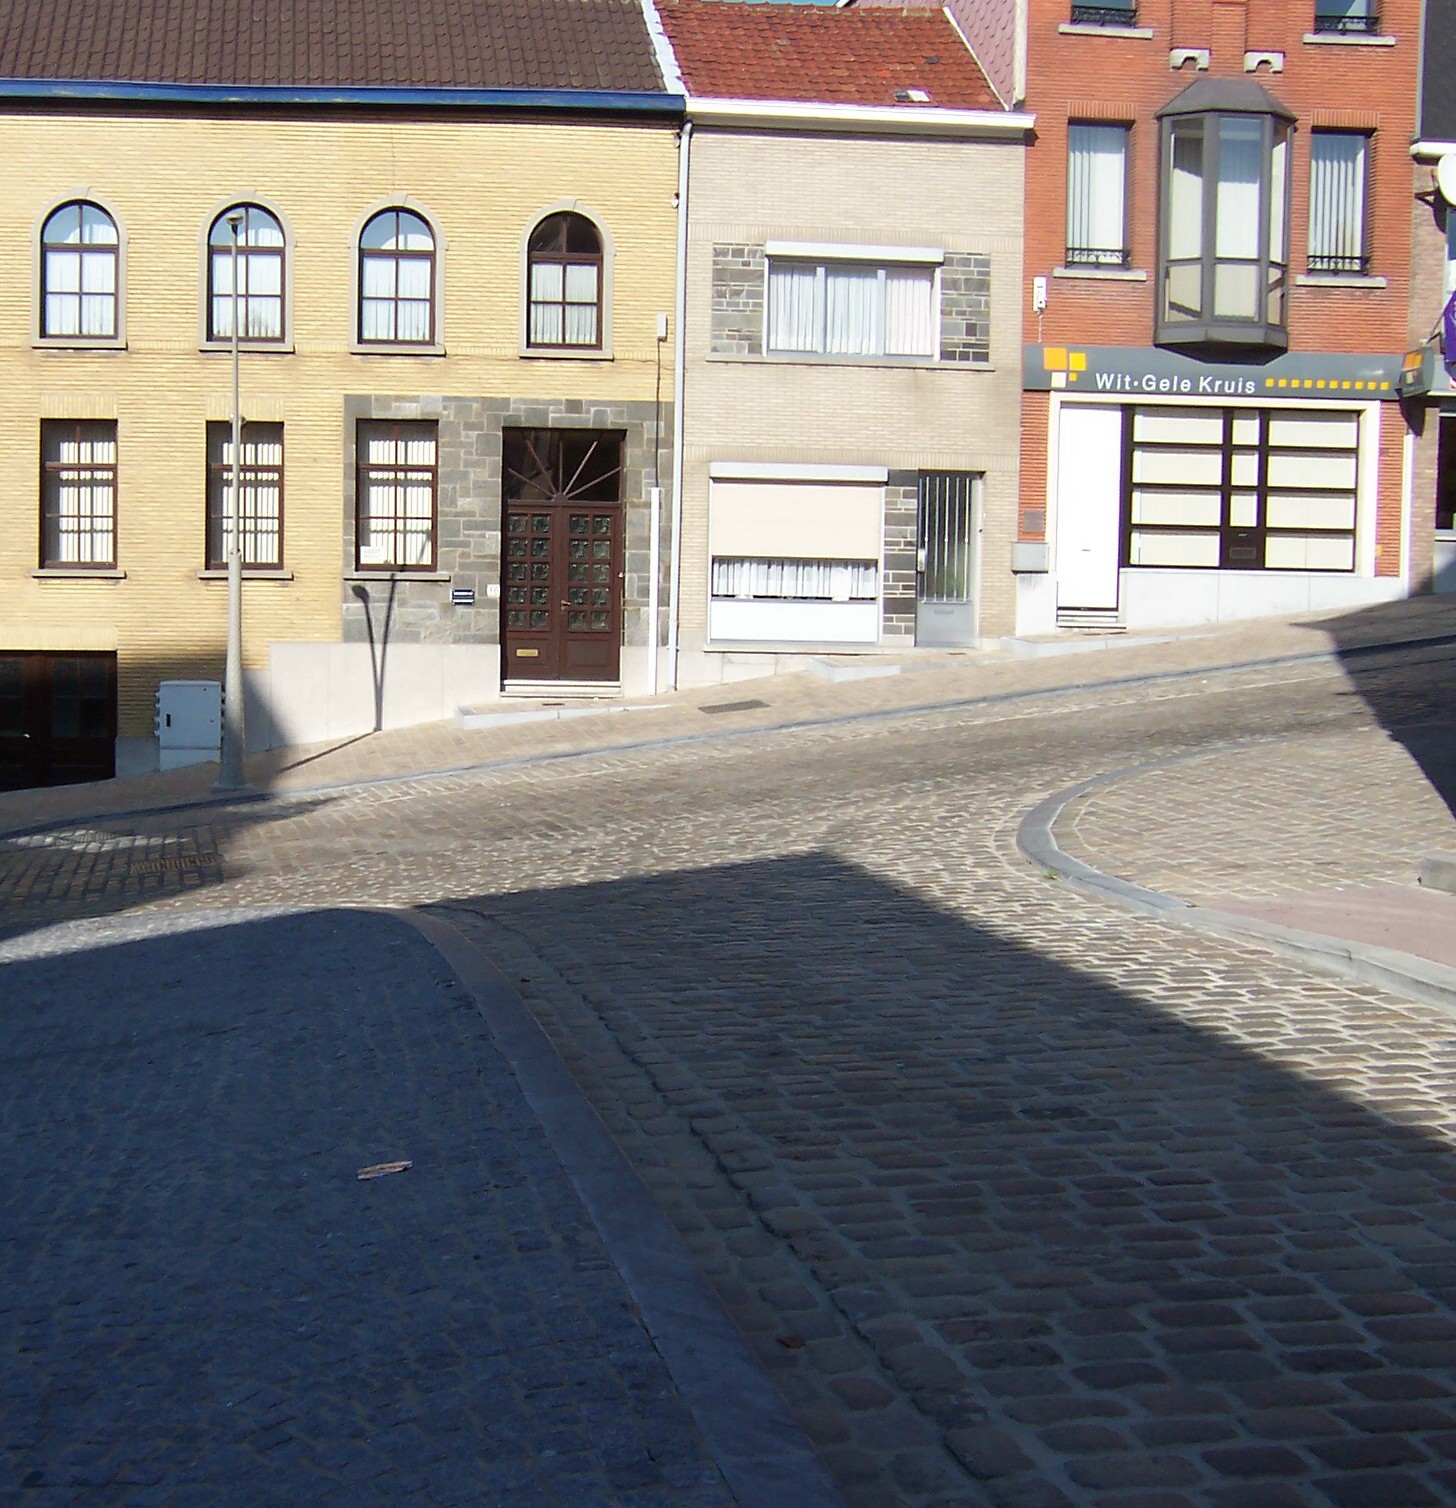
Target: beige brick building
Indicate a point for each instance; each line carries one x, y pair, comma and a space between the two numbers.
851, 398
454, 273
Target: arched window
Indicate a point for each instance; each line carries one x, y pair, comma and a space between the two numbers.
79, 254
397, 280
260, 249
564, 283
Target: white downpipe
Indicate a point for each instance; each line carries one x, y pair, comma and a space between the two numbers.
679, 374
654, 566
1407, 506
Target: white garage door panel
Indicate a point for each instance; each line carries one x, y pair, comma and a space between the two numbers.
796, 520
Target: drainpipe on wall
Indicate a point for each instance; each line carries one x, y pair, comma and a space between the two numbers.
679, 364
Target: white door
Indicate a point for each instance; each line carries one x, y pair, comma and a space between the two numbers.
1089, 505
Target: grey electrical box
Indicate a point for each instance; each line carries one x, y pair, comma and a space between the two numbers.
189, 723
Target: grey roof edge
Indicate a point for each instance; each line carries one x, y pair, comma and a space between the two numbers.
575, 101
1221, 95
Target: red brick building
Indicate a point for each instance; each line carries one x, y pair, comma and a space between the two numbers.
1432, 411
1218, 259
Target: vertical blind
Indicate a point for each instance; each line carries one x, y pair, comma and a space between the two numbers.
397, 496
80, 494
1096, 185
847, 309
1337, 201
260, 540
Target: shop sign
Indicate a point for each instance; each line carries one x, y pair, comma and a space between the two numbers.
1142, 371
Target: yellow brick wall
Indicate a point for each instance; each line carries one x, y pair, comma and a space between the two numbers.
958, 196
165, 179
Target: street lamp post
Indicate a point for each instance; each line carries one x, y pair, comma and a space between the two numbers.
230, 776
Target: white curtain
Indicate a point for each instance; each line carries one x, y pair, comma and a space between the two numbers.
262, 509
909, 311
797, 580
1096, 183
851, 310
1240, 174
85, 506
793, 295
1336, 200
581, 304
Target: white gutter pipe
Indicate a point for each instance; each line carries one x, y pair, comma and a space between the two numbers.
679, 377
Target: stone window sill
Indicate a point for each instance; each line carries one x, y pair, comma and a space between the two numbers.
393, 348
385, 574
564, 353
858, 363
1346, 39
75, 343
1335, 280
250, 573
247, 347
1082, 29
78, 573
1103, 274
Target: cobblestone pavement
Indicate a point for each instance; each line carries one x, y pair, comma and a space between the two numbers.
1023, 1200
200, 1302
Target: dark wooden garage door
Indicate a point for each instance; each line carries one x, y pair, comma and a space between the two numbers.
561, 497
57, 719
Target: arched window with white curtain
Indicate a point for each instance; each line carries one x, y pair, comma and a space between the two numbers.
260, 262
80, 262
397, 280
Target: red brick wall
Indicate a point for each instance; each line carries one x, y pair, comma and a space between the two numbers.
1091, 77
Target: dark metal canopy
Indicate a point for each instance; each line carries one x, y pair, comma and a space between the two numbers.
1207, 96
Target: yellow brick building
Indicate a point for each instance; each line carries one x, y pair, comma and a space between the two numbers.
454, 365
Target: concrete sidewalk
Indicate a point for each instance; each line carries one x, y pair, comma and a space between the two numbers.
775, 702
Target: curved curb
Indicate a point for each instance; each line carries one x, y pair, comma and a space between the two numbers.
1418, 978
745, 1423
254, 797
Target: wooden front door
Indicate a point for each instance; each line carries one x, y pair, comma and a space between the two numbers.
57, 719
561, 520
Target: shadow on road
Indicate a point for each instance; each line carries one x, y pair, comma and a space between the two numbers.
1098, 1243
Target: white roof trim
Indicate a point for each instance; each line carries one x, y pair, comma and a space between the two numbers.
1432, 148
662, 49
794, 471
907, 120
842, 251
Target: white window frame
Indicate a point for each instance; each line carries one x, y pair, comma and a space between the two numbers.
821, 257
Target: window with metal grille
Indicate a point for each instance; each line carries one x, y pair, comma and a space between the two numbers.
1104, 12
1338, 165
78, 494
260, 534
1361, 17
397, 481
79, 266
1096, 195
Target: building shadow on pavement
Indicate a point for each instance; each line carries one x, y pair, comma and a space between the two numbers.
1004, 1228
101, 866
1418, 717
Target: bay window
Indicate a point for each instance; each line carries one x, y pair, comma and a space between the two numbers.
1224, 233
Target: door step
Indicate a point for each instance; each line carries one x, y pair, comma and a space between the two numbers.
1107, 620
544, 691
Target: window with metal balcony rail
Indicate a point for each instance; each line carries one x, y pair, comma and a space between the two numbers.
1347, 17
1104, 13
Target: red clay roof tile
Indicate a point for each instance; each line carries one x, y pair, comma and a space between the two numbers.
729, 49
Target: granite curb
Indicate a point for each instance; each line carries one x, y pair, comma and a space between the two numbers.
252, 797
1404, 973
744, 1422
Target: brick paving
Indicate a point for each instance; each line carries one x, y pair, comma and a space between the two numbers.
1022, 1200
200, 1303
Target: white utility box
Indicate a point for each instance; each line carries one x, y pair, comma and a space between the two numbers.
189, 723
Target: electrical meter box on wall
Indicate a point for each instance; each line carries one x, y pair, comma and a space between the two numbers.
189, 722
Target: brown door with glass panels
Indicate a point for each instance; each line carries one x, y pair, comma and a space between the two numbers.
561, 497
57, 719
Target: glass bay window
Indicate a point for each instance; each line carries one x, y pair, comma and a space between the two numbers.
1224, 232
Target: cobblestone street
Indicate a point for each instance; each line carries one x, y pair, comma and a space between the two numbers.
1020, 1198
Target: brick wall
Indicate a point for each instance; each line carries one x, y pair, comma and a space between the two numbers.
165, 179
